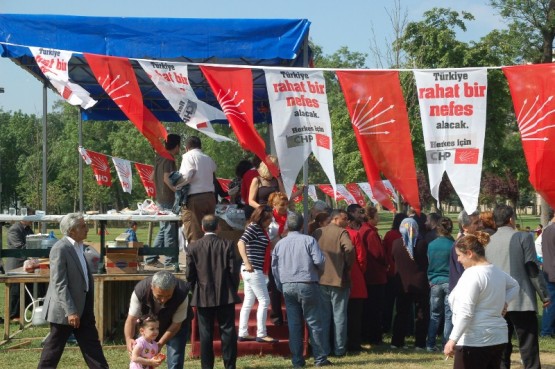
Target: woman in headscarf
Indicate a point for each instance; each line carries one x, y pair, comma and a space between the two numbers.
411, 264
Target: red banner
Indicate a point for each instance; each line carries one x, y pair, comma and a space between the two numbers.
117, 78
224, 183
532, 89
233, 89
146, 173
356, 192
328, 190
299, 198
379, 118
100, 167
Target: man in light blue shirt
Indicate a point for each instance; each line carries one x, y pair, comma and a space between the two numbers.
296, 264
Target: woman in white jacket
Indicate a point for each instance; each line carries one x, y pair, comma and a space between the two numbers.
478, 303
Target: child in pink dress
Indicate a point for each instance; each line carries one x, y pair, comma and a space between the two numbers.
145, 351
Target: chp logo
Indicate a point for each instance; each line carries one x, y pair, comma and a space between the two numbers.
437, 156
299, 139
467, 156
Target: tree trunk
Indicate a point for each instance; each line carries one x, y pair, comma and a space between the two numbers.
544, 219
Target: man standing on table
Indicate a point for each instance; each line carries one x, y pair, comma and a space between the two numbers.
296, 265
68, 305
214, 274
166, 297
165, 196
198, 170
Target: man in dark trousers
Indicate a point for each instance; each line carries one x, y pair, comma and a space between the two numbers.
213, 272
166, 297
68, 305
514, 253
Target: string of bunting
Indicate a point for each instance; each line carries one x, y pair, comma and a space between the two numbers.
452, 106
351, 193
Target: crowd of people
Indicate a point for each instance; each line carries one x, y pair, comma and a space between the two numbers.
465, 296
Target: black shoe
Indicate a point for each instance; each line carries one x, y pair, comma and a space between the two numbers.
324, 363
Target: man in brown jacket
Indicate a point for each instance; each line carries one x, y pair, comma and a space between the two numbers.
335, 281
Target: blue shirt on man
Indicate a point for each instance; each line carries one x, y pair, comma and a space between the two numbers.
297, 258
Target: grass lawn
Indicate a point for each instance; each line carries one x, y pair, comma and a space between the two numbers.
28, 341
382, 357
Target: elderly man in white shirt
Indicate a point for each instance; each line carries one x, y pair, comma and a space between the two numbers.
198, 170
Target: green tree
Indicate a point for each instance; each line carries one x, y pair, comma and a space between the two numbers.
532, 22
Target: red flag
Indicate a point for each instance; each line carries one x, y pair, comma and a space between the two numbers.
233, 89
356, 192
299, 198
100, 167
532, 90
146, 173
224, 183
117, 78
379, 117
328, 190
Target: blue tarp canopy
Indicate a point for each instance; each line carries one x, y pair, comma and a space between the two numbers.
264, 42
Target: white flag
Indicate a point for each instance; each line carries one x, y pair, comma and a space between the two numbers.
172, 79
300, 122
54, 65
349, 198
391, 191
85, 155
123, 168
312, 192
453, 110
365, 186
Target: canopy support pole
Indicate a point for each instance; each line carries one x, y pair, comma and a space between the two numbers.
44, 150
305, 164
80, 139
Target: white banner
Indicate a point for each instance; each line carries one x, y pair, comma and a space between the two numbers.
54, 65
172, 79
365, 186
453, 110
300, 122
349, 198
85, 155
312, 192
123, 168
391, 191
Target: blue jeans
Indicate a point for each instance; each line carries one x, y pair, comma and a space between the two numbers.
439, 308
334, 305
304, 299
175, 348
166, 237
548, 318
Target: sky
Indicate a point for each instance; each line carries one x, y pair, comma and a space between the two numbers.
333, 24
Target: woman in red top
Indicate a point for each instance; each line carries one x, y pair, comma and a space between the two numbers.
376, 275
277, 230
358, 294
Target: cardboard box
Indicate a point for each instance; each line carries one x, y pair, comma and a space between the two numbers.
121, 260
136, 245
